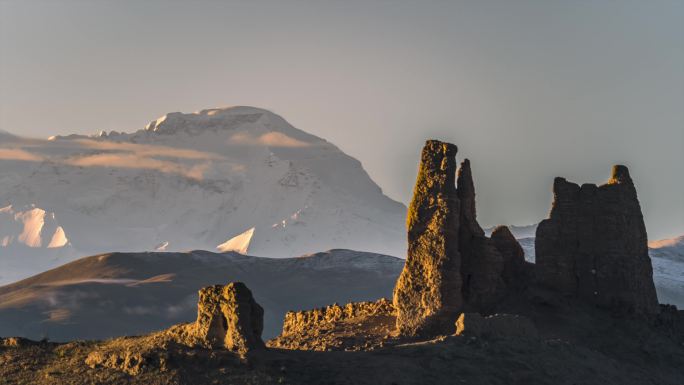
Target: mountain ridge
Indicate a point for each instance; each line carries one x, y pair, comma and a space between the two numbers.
196, 181
114, 294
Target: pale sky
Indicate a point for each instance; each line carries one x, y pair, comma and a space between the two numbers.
528, 90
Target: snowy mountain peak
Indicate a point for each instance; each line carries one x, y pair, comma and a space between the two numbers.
238, 244
222, 118
30, 227
665, 243
238, 178
256, 120
5, 134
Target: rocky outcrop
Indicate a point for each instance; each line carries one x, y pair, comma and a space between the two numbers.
228, 321
354, 326
466, 195
594, 245
296, 321
516, 271
427, 295
451, 264
229, 317
131, 361
497, 325
482, 263
16, 342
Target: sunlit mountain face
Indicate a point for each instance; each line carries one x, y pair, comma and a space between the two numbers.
234, 179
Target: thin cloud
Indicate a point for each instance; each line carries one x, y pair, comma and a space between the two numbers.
136, 161
271, 139
18, 154
148, 150
118, 155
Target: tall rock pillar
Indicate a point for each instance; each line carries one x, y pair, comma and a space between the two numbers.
427, 295
481, 262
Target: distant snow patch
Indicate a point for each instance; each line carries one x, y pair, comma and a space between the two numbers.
33, 221
239, 243
32, 227
59, 239
663, 243
162, 246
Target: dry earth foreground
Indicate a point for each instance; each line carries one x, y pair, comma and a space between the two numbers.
466, 309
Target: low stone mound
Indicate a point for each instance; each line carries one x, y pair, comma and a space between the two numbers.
296, 321
156, 353
354, 326
131, 360
16, 342
497, 325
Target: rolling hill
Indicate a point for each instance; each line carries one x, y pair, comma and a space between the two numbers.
133, 293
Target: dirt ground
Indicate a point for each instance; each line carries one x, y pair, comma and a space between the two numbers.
574, 347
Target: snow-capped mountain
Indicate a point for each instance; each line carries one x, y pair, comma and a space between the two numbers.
30, 238
31, 227
667, 256
672, 249
234, 179
5, 135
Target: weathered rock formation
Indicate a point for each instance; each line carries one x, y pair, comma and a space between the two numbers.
594, 245
16, 342
228, 321
516, 271
428, 292
496, 325
229, 317
296, 321
354, 326
451, 265
481, 262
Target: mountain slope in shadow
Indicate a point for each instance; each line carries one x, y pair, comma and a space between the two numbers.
134, 293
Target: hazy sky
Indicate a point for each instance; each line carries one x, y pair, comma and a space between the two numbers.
528, 90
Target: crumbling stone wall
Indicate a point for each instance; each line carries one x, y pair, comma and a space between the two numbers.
297, 321
594, 245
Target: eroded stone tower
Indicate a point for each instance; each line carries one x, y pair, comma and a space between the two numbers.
594, 245
451, 265
428, 292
